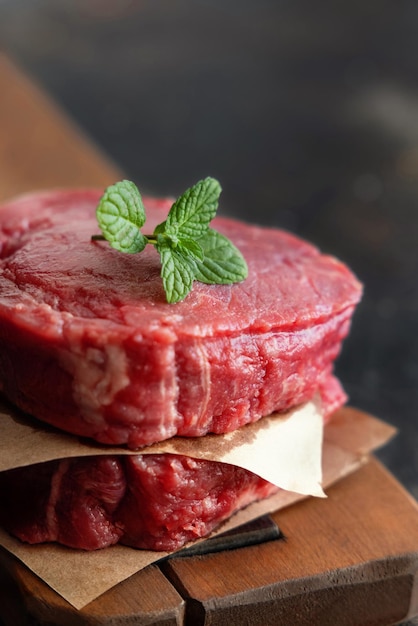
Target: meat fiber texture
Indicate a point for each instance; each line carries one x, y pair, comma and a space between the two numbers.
89, 344
157, 502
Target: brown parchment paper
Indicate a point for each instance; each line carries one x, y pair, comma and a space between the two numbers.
284, 449
80, 576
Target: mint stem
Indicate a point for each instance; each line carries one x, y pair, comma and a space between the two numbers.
150, 238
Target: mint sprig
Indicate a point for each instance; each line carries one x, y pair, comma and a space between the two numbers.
188, 248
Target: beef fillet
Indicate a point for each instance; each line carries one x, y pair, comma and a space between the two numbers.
89, 344
155, 501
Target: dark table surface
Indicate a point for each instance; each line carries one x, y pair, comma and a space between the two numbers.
307, 113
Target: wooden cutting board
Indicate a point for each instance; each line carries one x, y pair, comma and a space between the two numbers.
349, 560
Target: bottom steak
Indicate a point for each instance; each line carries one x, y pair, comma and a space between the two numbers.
155, 501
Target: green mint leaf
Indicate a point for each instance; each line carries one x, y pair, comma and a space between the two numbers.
191, 248
177, 272
160, 229
223, 263
190, 215
120, 215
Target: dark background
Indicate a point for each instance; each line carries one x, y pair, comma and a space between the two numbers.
305, 110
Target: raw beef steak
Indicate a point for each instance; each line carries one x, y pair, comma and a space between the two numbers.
155, 501
89, 344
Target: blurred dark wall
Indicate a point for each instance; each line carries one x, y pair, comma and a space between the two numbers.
307, 113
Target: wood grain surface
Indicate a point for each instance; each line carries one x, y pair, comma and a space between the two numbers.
349, 560
40, 147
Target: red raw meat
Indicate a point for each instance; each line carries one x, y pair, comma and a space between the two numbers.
89, 344
155, 501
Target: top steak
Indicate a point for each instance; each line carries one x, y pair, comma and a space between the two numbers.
89, 344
